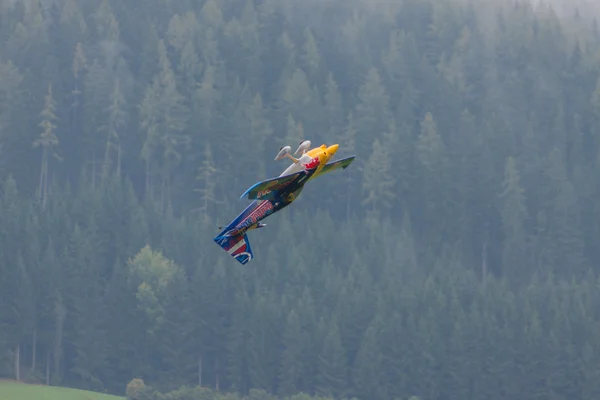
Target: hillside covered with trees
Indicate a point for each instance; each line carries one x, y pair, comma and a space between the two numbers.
456, 258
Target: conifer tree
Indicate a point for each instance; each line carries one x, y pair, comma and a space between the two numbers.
48, 141
292, 368
372, 111
378, 181
117, 119
332, 364
514, 214
207, 175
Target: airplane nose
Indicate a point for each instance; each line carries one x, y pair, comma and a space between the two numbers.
332, 149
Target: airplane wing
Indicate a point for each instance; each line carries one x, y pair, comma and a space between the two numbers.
332, 166
267, 190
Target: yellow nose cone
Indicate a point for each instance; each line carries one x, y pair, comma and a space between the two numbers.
332, 149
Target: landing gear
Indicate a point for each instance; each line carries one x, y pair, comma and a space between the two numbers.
285, 152
303, 147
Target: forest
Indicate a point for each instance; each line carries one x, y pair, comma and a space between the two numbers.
456, 258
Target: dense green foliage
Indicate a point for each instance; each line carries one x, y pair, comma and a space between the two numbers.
457, 258
138, 390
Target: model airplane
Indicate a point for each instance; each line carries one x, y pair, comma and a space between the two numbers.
277, 193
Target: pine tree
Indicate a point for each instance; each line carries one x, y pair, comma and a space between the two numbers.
299, 99
366, 373
48, 141
378, 181
291, 370
558, 220
207, 175
433, 173
514, 214
163, 118
332, 365
85, 305
11, 78
265, 335
334, 109
237, 344
117, 119
373, 110
260, 131
312, 58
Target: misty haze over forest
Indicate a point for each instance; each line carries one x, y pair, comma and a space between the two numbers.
456, 258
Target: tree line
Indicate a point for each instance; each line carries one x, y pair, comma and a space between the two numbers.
456, 257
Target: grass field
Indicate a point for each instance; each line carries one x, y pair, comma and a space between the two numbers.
10, 390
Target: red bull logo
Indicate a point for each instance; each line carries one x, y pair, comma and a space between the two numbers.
263, 210
313, 163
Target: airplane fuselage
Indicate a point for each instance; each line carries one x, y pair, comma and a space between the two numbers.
321, 153
258, 210
274, 195
312, 161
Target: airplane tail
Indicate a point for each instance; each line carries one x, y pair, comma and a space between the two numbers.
237, 246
